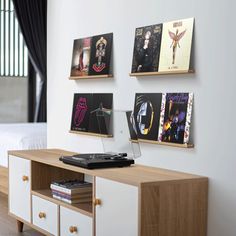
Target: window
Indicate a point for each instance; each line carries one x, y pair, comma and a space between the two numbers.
13, 52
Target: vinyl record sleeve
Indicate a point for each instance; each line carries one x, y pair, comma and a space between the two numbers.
175, 118
131, 125
82, 106
176, 45
147, 115
80, 57
100, 57
146, 48
100, 114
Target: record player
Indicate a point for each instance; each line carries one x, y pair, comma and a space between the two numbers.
118, 150
98, 160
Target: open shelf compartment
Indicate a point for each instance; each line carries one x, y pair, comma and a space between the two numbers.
42, 177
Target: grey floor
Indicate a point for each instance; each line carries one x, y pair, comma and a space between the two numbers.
8, 226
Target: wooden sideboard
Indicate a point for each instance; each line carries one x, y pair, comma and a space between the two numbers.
129, 201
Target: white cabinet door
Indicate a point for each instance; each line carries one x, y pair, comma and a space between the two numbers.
19, 187
45, 215
75, 223
118, 213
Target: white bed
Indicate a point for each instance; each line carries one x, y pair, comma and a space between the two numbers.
21, 136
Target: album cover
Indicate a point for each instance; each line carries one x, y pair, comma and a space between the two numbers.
146, 48
101, 113
131, 125
80, 57
147, 114
162, 116
175, 118
176, 45
100, 57
82, 106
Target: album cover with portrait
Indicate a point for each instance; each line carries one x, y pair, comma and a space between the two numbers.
80, 57
146, 48
100, 57
176, 45
101, 113
175, 118
82, 106
147, 115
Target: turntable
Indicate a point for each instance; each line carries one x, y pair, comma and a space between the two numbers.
98, 160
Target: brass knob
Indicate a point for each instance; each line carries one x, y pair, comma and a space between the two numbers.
73, 229
25, 178
42, 215
97, 202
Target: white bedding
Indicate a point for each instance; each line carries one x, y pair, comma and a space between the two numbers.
21, 136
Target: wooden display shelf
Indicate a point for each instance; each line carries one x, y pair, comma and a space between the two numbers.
187, 145
91, 134
90, 77
162, 73
84, 208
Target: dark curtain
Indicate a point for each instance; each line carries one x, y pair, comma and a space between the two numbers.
32, 18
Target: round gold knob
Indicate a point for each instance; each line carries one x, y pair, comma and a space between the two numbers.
73, 229
97, 202
25, 178
42, 215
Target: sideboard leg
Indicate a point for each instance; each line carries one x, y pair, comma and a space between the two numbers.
20, 226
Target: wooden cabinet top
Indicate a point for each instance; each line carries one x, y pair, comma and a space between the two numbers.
135, 175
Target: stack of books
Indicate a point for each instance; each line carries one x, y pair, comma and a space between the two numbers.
72, 191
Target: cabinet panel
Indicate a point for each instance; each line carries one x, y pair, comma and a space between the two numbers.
74, 223
118, 213
45, 215
19, 187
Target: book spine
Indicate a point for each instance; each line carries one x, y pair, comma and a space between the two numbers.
61, 193
78, 190
56, 193
59, 188
71, 201
78, 196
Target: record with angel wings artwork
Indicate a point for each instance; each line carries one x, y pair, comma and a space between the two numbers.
176, 45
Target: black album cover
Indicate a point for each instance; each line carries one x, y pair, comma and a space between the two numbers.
100, 57
81, 112
100, 114
131, 125
176, 118
147, 114
80, 57
147, 48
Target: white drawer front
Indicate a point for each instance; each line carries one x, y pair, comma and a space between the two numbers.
45, 215
82, 224
19, 187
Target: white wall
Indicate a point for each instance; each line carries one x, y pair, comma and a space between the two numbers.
213, 85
